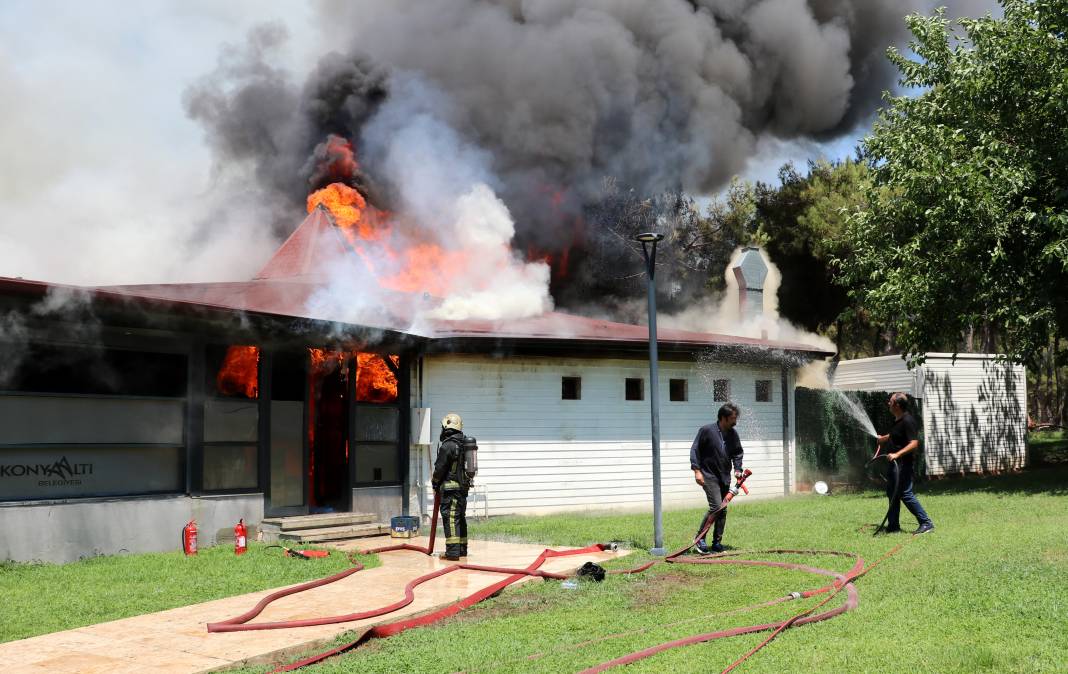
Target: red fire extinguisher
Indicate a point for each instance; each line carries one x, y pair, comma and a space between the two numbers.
240, 545
189, 538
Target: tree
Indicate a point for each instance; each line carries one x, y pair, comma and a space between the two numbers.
690, 262
803, 227
967, 224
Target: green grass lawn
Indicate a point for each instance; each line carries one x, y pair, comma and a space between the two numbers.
986, 591
41, 598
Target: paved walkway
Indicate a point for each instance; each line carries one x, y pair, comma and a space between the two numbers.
177, 641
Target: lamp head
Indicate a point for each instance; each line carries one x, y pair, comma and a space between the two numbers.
649, 237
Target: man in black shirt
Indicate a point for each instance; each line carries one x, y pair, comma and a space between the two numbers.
714, 450
904, 439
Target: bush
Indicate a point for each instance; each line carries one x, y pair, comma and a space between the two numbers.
832, 444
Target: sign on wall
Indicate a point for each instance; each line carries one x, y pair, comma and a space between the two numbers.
69, 472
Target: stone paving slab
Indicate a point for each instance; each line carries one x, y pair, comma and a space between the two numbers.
176, 641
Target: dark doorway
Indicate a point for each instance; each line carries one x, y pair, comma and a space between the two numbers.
328, 413
287, 434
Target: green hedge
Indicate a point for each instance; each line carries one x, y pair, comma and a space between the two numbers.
832, 445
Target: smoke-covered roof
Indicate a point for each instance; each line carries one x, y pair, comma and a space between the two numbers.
288, 299
291, 283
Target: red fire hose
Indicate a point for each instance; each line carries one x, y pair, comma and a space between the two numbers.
240, 623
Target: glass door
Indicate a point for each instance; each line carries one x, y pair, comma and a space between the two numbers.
287, 493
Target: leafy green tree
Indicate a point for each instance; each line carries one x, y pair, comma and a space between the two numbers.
697, 247
803, 228
967, 223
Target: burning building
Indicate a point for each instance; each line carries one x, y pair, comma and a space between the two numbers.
126, 411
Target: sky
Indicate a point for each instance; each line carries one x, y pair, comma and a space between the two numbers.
105, 180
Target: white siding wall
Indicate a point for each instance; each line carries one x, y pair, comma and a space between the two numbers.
882, 373
538, 453
974, 410
975, 415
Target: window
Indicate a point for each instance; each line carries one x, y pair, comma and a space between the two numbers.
231, 418
232, 371
571, 388
634, 389
721, 390
376, 378
289, 378
111, 422
763, 390
677, 390
377, 440
86, 370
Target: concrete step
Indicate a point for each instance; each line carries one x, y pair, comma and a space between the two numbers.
320, 521
334, 533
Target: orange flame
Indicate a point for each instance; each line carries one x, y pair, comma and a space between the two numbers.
239, 374
375, 381
347, 206
422, 266
322, 363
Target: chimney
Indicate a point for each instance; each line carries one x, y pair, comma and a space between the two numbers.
750, 272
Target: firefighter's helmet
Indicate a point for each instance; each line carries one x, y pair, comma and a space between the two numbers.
452, 420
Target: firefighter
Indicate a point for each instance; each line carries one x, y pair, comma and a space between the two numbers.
450, 477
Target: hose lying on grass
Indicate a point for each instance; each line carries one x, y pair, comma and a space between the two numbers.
841, 582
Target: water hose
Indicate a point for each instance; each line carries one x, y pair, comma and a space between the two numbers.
389, 629
239, 623
895, 472
841, 582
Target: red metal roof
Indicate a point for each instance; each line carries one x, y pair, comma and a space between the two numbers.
315, 243
558, 325
296, 272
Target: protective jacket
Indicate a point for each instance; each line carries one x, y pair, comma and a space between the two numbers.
449, 473
451, 479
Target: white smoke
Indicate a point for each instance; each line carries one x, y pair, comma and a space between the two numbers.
445, 193
104, 181
499, 286
722, 314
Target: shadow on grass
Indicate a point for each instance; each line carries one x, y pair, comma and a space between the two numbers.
1044, 480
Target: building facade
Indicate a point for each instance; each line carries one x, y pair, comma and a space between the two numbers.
974, 407
126, 412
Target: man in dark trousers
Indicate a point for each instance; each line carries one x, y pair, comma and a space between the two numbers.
450, 477
904, 439
714, 450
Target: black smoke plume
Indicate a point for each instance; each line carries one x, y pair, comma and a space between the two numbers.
662, 96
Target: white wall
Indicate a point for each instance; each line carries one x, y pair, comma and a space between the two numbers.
882, 373
538, 453
975, 414
974, 409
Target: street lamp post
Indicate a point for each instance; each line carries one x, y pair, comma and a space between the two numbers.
654, 386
